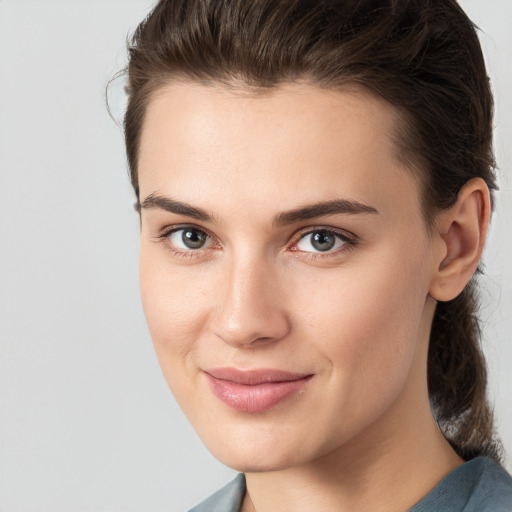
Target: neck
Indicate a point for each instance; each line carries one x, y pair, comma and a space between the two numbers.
368, 474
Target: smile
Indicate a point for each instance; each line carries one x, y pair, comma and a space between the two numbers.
254, 390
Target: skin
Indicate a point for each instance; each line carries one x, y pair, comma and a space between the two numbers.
360, 435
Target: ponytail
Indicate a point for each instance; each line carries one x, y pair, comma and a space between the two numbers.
457, 378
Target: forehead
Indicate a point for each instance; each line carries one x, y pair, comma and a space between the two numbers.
295, 144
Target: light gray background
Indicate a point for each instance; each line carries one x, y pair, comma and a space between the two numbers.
86, 420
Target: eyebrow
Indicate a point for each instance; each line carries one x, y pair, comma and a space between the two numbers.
312, 211
308, 212
173, 206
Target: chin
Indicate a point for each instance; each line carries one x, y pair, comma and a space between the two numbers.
257, 463
252, 454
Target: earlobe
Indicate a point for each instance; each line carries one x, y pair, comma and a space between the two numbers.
460, 236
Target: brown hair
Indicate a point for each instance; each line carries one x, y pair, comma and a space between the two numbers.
422, 56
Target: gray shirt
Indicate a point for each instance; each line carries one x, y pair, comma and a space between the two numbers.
480, 485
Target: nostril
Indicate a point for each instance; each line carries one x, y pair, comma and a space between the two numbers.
245, 341
262, 340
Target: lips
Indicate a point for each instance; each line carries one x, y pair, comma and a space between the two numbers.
254, 390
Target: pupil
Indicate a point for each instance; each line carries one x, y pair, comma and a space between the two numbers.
193, 239
323, 241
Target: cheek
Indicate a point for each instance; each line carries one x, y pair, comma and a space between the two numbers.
174, 302
367, 320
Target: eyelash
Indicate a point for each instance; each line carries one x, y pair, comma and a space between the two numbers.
191, 253
349, 241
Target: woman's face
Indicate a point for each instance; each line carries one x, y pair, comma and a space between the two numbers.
285, 269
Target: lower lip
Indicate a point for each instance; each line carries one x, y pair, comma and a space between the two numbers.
256, 397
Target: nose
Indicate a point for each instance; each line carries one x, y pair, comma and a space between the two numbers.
251, 308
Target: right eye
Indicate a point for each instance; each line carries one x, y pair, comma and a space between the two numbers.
188, 239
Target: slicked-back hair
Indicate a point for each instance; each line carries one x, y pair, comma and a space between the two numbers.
421, 56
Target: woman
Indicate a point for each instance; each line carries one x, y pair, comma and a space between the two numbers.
313, 184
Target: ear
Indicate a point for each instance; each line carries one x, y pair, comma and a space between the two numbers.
460, 237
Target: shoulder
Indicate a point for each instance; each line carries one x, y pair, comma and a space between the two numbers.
227, 499
478, 485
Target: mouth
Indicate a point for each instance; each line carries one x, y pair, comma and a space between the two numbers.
254, 390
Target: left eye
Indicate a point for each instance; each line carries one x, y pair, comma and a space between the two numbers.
321, 240
189, 239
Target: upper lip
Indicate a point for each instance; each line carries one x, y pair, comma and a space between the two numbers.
254, 377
